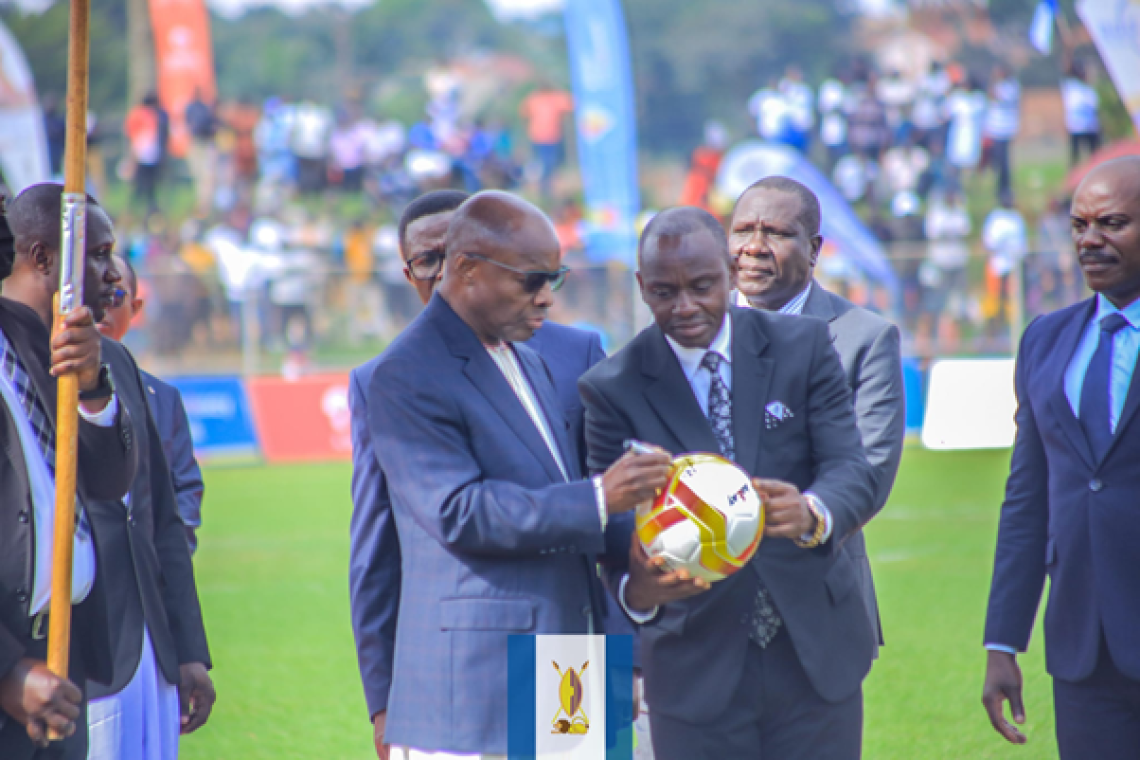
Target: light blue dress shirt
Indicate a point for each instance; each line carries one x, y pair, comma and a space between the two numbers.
1125, 348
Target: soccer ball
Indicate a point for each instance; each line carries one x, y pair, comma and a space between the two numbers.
708, 520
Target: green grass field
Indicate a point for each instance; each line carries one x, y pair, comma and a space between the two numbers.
273, 569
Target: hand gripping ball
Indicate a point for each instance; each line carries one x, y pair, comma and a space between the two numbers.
708, 520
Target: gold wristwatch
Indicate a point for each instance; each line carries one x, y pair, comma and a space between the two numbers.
820, 525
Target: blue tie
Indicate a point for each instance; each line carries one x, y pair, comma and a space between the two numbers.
1095, 415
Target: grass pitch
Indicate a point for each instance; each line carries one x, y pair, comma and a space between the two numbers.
273, 577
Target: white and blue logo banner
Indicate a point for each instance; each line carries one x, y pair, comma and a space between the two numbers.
1114, 26
570, 698
598, 49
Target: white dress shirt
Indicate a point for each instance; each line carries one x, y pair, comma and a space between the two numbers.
42, 487
1125, 350
504, 357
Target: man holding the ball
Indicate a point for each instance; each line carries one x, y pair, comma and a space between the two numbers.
769, 662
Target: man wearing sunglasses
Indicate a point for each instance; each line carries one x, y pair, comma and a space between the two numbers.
375, 555
484, 484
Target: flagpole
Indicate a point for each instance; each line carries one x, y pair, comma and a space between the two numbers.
73, 227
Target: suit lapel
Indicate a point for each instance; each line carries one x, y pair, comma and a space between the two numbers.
1066, 345
671, 396
543, 387
819, 305
486, 376
751, 380
32, 346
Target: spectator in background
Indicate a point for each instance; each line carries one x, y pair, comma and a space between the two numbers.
897, 94
55, 131
928, 115
867, 130
202, 159
348, 147
242, 119
1006, 239
309, 143
799, 102
703, 167
769, 108
1082, 105
543, 111
965, 109
1002, 121
144, 130
833, 117
943, 275
904, 165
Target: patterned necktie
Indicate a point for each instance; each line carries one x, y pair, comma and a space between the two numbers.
1095, 414
18, 378
764, 622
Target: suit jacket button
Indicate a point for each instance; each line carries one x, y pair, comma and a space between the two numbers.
1095, 485
22, 516
21, 596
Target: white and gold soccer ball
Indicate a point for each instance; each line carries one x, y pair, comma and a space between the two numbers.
708, 520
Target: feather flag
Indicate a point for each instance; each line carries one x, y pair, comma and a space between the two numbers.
1041, 28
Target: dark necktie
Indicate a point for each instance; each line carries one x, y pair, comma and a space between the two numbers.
1095, 413
764, 622
17, 376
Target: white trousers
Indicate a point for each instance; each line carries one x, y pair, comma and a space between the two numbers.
405, 753
141, 722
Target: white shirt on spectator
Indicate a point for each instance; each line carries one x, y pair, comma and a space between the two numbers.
1081, 105
1003, 111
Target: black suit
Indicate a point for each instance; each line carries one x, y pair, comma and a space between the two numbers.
694, 654
144, 557
106, 467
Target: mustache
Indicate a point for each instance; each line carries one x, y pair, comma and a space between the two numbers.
1097, 257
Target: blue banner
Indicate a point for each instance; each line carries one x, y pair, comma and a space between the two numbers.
598, 49
219, 414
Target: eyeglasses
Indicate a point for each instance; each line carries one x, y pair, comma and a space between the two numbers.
533, 279
427, 265
118, 297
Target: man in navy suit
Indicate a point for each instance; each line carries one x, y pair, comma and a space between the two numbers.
468, 495
1071, 501
166, 407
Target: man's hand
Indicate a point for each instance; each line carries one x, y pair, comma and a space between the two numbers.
786, 513
75, 349
1003, 681
195, 696
651, 585
41, 700
379, 726
635, 478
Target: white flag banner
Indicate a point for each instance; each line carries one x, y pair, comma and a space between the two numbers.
23, 145
1113, 25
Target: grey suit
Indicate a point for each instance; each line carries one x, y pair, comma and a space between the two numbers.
868, 348
174, 431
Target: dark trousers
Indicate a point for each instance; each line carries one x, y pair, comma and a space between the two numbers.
999, 158
1098, 718
774, 715
146, 185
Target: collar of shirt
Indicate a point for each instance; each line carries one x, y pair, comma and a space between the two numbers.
690, 358
1131, 312
794, 306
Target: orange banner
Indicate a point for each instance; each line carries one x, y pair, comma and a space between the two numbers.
302, 420
185, 61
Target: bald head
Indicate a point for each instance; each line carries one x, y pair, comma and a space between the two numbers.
499, 249
34, 215
667, 227
1105, 221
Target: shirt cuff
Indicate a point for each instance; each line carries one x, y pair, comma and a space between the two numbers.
641, 618
600, 497
827, 521
1001, 648
105, 418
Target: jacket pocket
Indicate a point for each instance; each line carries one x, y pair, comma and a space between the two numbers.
840, 579
481, 614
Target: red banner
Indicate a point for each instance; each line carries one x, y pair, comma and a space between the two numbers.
302, 420
185, 61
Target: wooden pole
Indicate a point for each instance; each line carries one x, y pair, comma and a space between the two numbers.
73, 227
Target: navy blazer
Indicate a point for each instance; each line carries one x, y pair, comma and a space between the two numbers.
174, 430
376, 576
1068, 516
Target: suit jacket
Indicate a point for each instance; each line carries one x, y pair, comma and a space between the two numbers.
1068, 517
374, 565
868, 348
174, 431
107, 461
493, 541
144, 558
692, 652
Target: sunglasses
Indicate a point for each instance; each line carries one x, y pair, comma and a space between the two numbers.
426, 266
533, 279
